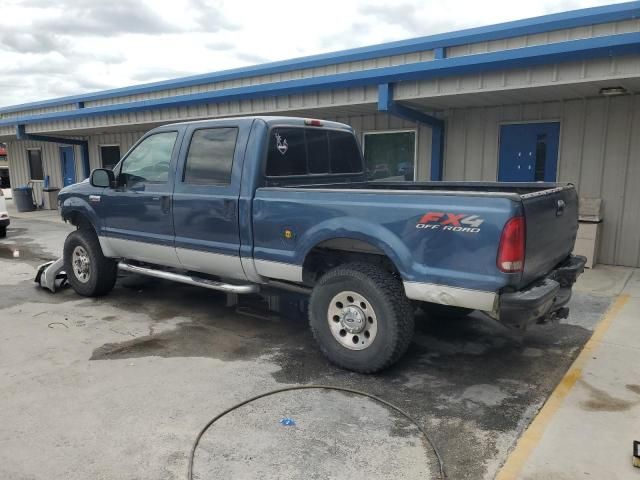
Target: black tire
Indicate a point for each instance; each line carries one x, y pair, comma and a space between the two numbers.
447, 312
3, 232
383, 295
102, 271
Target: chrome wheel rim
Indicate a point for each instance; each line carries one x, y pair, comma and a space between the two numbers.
81, 264
352, 320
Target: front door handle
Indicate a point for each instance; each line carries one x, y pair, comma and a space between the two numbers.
165, 203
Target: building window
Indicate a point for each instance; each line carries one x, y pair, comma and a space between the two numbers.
109, 156
210, 157
36, 171
390, 155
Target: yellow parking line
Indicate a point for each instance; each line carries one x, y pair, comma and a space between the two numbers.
532, 435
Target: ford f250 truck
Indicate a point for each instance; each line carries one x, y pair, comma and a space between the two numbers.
244, 204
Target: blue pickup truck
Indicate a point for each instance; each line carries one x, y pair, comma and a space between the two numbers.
245, 204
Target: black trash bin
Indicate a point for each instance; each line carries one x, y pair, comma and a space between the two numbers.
23, 199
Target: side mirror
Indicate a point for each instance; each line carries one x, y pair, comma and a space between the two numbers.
101, 177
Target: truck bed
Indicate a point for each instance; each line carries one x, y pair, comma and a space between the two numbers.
550, 211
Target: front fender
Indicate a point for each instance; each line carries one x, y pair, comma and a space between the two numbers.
73, 205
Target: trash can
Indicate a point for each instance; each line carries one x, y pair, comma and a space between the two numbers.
50, 198
23, 199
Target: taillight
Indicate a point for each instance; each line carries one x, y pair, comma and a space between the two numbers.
312, 122
512, 246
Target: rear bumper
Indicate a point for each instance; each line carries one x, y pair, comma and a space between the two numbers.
543, 299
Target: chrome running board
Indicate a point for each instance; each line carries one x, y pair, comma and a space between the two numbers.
190, 280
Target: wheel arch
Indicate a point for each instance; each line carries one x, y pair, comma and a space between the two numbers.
336, 247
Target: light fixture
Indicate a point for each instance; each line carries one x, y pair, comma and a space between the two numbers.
612, 91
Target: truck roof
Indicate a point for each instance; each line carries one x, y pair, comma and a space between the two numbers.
269, 120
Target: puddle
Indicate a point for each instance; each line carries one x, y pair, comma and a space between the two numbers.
23, 253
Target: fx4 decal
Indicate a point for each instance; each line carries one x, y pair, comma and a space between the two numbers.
450, 222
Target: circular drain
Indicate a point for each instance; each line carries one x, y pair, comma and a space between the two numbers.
291, 449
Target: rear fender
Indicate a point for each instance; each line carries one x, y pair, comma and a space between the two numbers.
357, 229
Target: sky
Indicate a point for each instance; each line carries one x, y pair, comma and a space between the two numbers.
52, 48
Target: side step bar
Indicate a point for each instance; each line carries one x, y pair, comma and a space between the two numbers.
189, 280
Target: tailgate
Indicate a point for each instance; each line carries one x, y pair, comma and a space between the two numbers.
552, 225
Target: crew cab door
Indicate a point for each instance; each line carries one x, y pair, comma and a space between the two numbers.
137, 216
205, 199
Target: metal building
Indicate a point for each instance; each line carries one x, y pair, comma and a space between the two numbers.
547, 98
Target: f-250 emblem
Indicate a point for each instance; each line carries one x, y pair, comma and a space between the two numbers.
281, 144
452, 222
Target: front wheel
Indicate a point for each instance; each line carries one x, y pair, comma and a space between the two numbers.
89, 272
360, 317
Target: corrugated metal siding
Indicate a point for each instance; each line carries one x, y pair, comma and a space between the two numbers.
382, 122
599, 153
124, 139
388, 61
540, 76
19, 165
333, 98
613, 28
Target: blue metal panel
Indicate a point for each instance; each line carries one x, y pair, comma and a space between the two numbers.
437, 152
68, 165
206, 216
142, 213
628, 43
546, 23
461, 259
529, 152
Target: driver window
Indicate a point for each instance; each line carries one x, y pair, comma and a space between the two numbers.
149, 161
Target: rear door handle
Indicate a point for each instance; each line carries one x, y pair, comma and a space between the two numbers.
165, 203
560, 208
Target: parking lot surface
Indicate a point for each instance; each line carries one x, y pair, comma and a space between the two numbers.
118, 387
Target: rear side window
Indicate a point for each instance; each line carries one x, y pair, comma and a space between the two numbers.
345, 154
287, 153
210, 156
303, 151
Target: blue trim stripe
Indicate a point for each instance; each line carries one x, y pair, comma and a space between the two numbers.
546, 23
623, 44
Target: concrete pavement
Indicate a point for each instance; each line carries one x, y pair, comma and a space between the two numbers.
587, 426
118, 387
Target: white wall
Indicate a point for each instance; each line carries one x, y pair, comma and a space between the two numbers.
599, 153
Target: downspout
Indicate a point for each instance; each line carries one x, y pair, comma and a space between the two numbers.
390, 106
84, 145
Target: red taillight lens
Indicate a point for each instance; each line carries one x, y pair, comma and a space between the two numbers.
312, 122
512, 243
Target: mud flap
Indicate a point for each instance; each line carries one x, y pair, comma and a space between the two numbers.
51, 276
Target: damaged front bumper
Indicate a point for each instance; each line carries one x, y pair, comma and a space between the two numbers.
544, 300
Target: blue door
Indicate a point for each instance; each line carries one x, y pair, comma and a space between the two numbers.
68, 162
206, 199
137, 215
529, 152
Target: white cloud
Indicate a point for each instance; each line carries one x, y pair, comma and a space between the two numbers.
75, 46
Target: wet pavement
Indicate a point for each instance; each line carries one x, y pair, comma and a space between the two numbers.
118, 387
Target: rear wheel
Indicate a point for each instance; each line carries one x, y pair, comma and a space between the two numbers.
3, 232
89, 272
360, 317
